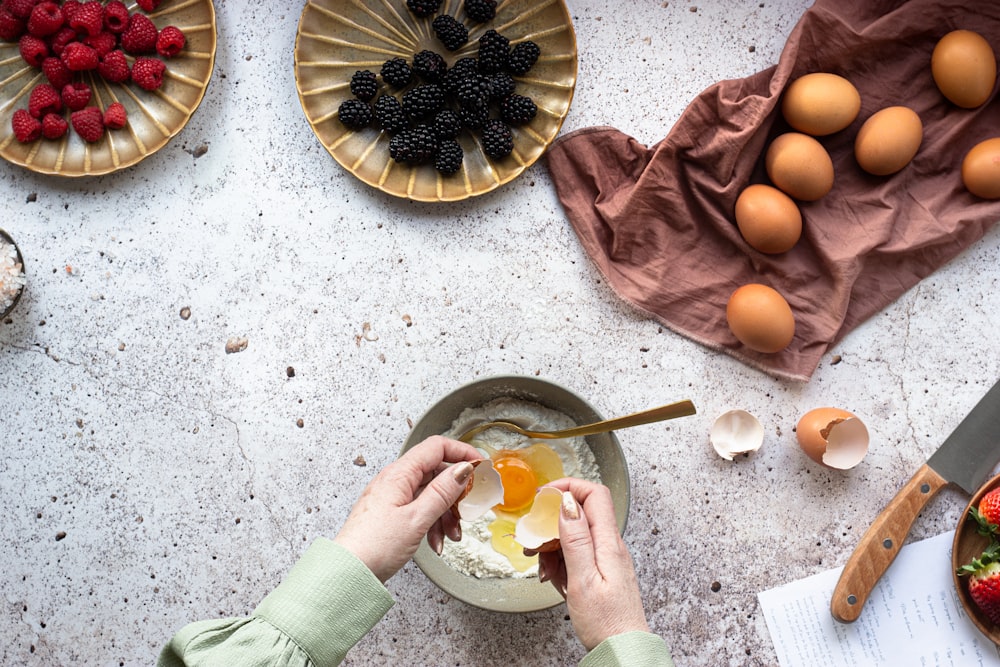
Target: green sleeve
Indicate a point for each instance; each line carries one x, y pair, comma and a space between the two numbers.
326, 604
634, 649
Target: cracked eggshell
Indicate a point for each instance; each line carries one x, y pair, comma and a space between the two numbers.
736, 432
833, 437
539, 528
482, 492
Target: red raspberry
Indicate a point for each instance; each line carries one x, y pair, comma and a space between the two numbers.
56, 72
148, 73
79, 57
76, 95
46, 19
54, 126
88, 123
114, 67
44, 99
58, 41
140, 35
115, 17
20, 8
11, 27
102, 42
88, 19
26, 127
70, 8
170, 42
33, 50
115, 116
148, 5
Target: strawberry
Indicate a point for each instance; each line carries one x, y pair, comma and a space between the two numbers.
88, 123
148, 73
984, 581
76, 95
54, 126
26, 127
170, 42
140, 35
56, 72
987, 514
115, 116
43, 100
114, 67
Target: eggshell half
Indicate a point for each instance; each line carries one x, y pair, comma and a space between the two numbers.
539, 528
736, 432
483, 491
833, 437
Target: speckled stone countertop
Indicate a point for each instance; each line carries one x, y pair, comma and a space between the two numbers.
149, 479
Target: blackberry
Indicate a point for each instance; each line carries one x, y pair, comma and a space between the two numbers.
474, 92
498, 140
494, 52
389, 114
396, 72
481, 11
517, 110
452, 33
429, 66
413, 145
423, 101
447, 124
474, 119
364, 85
423, 8
355, 114
523, 57
449, 157
462, 68
502, 86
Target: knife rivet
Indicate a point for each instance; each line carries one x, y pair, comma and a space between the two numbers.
925, 487
887, 543
851, 599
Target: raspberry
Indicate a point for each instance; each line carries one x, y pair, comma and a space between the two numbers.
88, 123
102, 42
115, 116
148, 73
70, 8
148, 5
114, 67
140, 35
46, 19
33, 50
44, 99
20, 8
58, 41
56, 72
79, 57
54, 126
11, 27
26, 127
76, 95
170, 41
89, 19
115, 17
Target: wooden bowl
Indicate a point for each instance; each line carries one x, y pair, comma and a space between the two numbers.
970, 544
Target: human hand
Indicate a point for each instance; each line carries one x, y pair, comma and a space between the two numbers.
409, 498
592, 568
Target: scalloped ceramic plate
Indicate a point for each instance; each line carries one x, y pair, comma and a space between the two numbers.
153, 117
338, 37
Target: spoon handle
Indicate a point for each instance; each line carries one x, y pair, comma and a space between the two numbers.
662, 413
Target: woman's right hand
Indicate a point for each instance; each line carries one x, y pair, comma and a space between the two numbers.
593, 569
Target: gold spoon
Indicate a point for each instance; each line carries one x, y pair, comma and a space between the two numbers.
662, 413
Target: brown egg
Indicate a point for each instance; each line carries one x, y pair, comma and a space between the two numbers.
760, 318
964, 68
820, 103
888, 140
832, 437
981, 169
768, 219
799, 166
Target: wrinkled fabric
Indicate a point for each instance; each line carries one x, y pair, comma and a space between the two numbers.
658, 221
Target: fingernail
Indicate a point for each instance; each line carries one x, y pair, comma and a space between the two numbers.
435, 542
461, 471
562, 589
543, 576
570, 509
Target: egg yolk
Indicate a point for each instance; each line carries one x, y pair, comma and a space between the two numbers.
519, 483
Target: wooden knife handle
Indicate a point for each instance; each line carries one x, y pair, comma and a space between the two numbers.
880, 544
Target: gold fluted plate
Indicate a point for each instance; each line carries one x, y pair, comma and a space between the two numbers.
339, 37
153, 117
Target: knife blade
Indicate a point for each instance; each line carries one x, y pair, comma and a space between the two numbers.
965, 459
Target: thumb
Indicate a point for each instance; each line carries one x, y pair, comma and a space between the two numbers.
441, 493
575, 540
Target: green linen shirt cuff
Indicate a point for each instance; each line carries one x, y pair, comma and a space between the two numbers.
635, 649
328, 601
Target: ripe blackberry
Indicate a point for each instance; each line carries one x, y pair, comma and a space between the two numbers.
429, 66
452, 33
423, 101
502, 86
413, 145
494, 52
423, 8
517, 110
474, 92
481, 11
389, 114
449, 157
396, 72
523, 57
364, 85
474, 119
447, 124
462, 68
497, 139
355, 114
